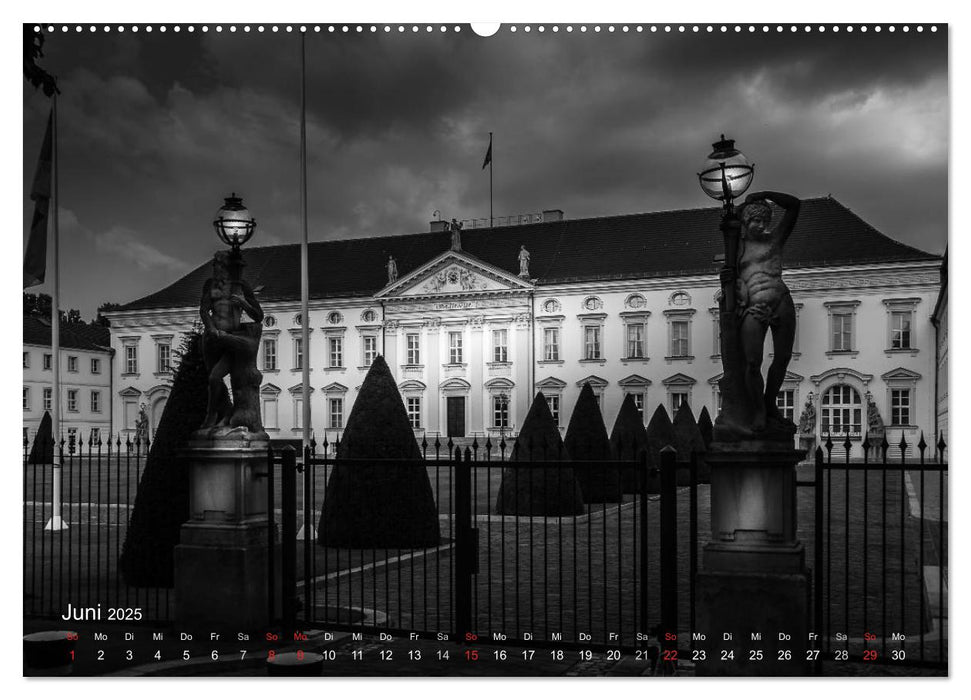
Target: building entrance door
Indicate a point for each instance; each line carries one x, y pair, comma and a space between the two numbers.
455, 411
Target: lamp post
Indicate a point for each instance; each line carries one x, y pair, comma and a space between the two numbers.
222, 559
725, 176
233, 223
753, 579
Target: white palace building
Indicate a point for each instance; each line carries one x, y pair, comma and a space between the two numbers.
472, 329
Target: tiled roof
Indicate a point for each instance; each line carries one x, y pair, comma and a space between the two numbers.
78, 336
654, 244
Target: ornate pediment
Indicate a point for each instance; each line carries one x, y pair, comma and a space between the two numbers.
453, 273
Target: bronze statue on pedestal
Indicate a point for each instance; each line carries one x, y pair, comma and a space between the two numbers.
230, 346
755, 300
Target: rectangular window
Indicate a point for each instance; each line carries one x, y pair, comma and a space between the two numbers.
639, 402
337, 413
842, 332
26, 360
131, 414
164, 358
26, 399
94, 437
298, 354
72, 400
786, 402
269, 354
414, 355
635, 340
679, 339
370, 349
72, 363
95, 365
96, 402
413, 404
48, 398
455, 347
336, 352
500, 349
47, 360
297, 413
591, 342
677, 398
271, 410
900, 407
551, 344
500, 411
553, 401
900, 329
131, 359
72, 439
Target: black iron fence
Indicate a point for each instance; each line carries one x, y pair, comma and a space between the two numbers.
875, 525
76, 519
614, 573
880, 553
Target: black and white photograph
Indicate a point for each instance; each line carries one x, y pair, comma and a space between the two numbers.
532, 349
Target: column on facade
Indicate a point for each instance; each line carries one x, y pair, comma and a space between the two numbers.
390, 349
433, 363
478, 356
523, 396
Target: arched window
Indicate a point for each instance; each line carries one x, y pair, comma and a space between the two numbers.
842, 410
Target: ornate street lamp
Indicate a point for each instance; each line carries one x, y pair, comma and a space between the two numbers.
725, 176
726, 173
753, 576
233, 222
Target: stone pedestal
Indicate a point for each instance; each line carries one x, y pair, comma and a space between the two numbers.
753, 590
221, 563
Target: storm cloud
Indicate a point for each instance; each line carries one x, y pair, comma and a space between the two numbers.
156, 129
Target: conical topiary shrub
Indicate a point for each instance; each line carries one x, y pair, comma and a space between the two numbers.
628, 440
705, 426
162, 501
660, 434
42, 451
533, 488
586, 440
371, 504
687, 439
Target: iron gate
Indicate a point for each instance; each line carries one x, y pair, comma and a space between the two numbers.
607, 578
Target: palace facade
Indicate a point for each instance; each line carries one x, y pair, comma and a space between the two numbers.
474, 324
86, 376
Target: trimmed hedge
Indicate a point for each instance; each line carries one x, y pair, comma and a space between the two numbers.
378, 504
586, 439
162, 501
660, 434
628, 440
688, 439
42, 451
536, 489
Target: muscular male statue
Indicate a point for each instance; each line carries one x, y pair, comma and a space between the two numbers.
230, 346
764, 301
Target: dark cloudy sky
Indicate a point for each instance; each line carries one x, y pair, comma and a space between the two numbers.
156, 128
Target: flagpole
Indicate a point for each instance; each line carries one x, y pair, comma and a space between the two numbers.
304, 280
492, 157
56, 523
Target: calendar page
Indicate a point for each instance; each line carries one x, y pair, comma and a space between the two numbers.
528, 349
